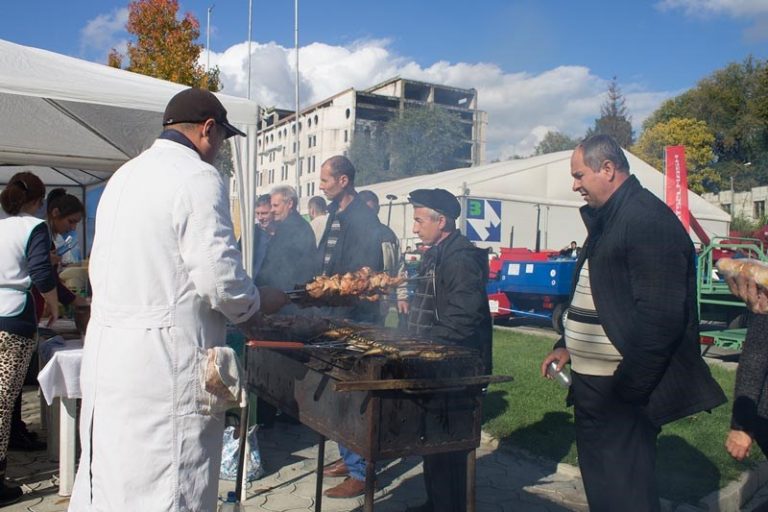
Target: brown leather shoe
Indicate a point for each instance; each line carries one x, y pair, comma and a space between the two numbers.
349, 488
336, 469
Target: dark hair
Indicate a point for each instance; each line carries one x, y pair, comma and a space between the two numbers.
367, 196
342, 166
599, 148
67, 204
23, 188
318, 203
264, 199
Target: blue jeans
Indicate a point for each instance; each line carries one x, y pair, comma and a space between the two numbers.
354, 462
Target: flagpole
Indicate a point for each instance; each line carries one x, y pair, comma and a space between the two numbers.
297, 138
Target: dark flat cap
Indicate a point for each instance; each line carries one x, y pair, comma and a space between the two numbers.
195, 105
438, 199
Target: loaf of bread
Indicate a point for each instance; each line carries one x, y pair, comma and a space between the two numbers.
751, 269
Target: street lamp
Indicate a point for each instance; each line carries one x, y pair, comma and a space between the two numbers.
391, 198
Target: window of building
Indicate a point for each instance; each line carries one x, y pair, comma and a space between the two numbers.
347, 113
309, 123
759, 212
313, 188
346, 135
315, 119
727, 208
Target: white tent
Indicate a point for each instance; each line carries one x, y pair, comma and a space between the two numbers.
74, 122
501, 201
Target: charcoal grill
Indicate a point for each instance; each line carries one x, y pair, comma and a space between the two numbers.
383, 406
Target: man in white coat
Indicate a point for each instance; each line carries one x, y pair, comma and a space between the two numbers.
166, 276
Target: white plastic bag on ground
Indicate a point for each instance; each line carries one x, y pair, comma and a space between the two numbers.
230, 452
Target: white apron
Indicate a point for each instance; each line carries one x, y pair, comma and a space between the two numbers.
166, 274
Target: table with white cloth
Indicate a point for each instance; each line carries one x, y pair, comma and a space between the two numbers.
60, 383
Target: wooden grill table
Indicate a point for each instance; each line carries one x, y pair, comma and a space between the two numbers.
379, 407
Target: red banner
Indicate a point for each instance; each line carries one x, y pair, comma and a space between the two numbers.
677, 183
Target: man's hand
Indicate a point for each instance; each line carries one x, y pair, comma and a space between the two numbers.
403, 307
747, 290
560, 355
272, 300
738, 443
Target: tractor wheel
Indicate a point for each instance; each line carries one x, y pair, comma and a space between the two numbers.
558, 313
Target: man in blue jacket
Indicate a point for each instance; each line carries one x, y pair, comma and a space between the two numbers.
632, 331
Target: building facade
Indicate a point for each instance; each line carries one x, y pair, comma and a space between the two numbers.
327, 128
749, 204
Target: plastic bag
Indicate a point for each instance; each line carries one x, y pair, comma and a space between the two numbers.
229, 456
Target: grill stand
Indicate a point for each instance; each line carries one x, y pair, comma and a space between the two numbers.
305, 389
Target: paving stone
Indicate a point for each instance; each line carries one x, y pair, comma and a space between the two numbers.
507, 480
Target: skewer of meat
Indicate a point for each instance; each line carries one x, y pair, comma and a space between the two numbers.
364, 283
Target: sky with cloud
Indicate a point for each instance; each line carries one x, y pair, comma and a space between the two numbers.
536, 67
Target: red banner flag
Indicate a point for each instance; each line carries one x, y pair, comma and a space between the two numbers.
677, 183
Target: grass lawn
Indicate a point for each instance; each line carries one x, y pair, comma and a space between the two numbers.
530, 413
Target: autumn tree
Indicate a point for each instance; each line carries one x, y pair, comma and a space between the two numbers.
614, 117
555, 141
698, 140
165, 45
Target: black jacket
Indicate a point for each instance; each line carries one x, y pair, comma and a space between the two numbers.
291, 255
359, 244
643, 279
461, 304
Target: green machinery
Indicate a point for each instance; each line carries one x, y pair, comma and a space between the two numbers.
715, 301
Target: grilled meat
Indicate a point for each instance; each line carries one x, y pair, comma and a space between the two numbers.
363, 283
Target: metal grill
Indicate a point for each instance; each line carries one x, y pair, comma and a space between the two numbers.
416, 397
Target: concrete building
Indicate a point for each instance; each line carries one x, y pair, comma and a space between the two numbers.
327, 128
749, 204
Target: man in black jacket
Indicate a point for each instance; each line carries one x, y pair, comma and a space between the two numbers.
631, 333
449, 306
350, 242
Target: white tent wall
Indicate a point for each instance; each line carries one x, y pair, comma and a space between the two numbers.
87, 119
521, 188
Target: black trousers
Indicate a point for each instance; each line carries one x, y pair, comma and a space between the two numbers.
616, 444
445, 477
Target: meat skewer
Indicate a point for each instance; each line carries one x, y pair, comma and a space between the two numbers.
364, 283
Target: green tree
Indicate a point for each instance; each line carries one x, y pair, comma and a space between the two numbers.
555, 141
698, 140
368, 153
733, 101
424, 140
165, 45
614, 117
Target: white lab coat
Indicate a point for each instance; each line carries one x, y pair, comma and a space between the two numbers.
166, 274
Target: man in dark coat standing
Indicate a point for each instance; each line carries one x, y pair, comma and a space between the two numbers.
291, 254
450, 306
632, 331
350, 242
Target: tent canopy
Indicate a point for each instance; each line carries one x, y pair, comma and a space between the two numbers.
74, 122
528, 185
